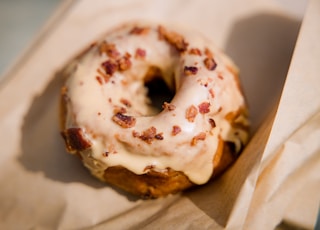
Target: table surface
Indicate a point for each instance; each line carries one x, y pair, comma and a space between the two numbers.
19, 23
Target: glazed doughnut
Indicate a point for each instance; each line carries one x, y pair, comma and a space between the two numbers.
123, 138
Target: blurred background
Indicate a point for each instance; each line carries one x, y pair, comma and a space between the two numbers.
20, 20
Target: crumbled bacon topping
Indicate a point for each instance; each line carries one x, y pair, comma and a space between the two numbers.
139, 30
200, 137
204, 107
191, 113
211, 92
105, 76
109, 49
208, 53
75, 139
190, 70
175, 130
140, 53
159, 136
99, 79
174, 39
220, 77
123, 120
126, 102
124, 62
110, 67
210, 63
150, 134
168, 106
212, 123
135, 133
195, 51
119, 109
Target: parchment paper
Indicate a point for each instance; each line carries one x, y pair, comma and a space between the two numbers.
43, 187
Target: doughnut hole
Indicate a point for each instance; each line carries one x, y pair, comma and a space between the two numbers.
158, 91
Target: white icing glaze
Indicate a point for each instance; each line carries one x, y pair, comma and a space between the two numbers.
91, 107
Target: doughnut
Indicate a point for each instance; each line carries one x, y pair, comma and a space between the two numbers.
153, 110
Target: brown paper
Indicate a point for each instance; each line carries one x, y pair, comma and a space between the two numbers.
43, 187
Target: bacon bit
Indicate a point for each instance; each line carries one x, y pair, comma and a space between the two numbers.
200, 137
99, 79
211, 92
159, 136
190, 70
75, 140
175, 130
220, 77
191, 113
109, 49
148, 135
220, 109
123, 120
110, 67
140, 53
126, 102
210, 64
195, 51
168, 106
110, 100
124, 63
148, 168
99, 113
135, 133
139, 30
124, 82
212, 123
105, 76
119, 109
208, 53
105, 154
204, 107
173, 39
